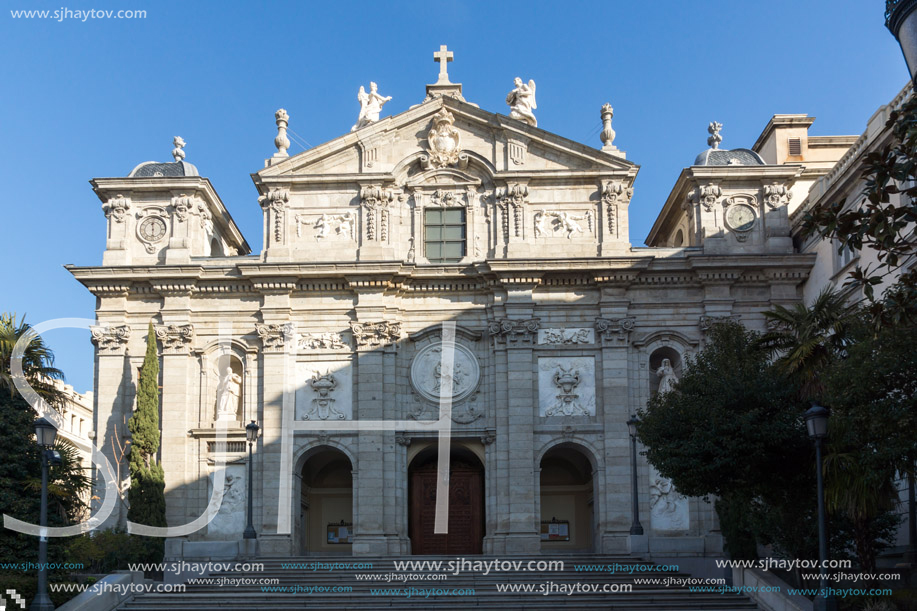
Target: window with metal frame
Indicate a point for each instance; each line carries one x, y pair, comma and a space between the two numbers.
444, 234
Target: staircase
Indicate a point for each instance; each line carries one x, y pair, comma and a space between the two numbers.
304, 588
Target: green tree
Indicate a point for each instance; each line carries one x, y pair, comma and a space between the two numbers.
732, 428
807, 339
873, 432
20, 466
147, 491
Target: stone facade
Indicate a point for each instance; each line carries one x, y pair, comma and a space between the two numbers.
560, 328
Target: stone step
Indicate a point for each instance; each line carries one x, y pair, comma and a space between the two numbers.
204, 597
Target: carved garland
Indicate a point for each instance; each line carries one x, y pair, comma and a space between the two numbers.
375, 201
510, 201
276, 200
612, 194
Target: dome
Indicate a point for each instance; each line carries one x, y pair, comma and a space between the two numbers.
726, 157
149, 169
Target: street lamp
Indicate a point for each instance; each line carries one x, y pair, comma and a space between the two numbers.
635, 528
251, 434
901, 20
817, 427
45, 432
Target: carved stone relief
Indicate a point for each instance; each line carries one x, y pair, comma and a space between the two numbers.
275, 336
444, 143
329, 226
371, 335
110, 339
566, 336
117, 208
613, 194
776, 195
668, 508
512, 331
176, 339
323, 341
375, 202
566, 386
228, 523
614, 329
427, 372
276, 201
325, 391
551, 223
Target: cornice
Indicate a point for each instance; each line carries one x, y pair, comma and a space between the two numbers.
258, 278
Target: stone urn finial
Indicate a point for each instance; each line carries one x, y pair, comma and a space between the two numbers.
281, 141
608, 134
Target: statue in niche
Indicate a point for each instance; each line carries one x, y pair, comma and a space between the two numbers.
521, 102
228, 393
370, 106
667, 377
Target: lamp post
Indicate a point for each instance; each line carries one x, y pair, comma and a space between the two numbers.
901, 20
817, 427
45, 432
635, 528
251, 434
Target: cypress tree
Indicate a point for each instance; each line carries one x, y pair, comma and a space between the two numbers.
147, 491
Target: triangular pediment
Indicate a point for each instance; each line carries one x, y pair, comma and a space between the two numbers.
498, 144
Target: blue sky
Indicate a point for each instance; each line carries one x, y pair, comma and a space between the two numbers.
84, 99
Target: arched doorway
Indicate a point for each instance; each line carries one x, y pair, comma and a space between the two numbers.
466, 504
326, 503
567, 510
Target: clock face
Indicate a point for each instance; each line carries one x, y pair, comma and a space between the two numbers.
740, 217
152, 229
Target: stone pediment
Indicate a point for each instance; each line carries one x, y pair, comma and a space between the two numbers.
442, 134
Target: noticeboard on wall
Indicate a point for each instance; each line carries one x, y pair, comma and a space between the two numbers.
555, 530
340, 533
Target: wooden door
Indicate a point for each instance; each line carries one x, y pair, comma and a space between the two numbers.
466, 510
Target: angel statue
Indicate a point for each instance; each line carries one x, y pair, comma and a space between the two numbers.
228, 392
370, 106
521, 102
667, 377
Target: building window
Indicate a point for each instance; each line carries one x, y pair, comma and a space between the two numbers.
444, 234
844, 257
795, 146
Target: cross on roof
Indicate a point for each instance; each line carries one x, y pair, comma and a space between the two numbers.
443, 56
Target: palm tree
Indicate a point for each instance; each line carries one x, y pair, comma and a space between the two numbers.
37, 360
806, 340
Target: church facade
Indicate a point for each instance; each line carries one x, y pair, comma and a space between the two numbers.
450, 283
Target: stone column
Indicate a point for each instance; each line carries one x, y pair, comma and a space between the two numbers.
112, 408
273, 474
516, 336
177, 418
612, 333
372, 340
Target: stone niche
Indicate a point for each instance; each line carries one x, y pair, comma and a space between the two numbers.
324, 391
566, 386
